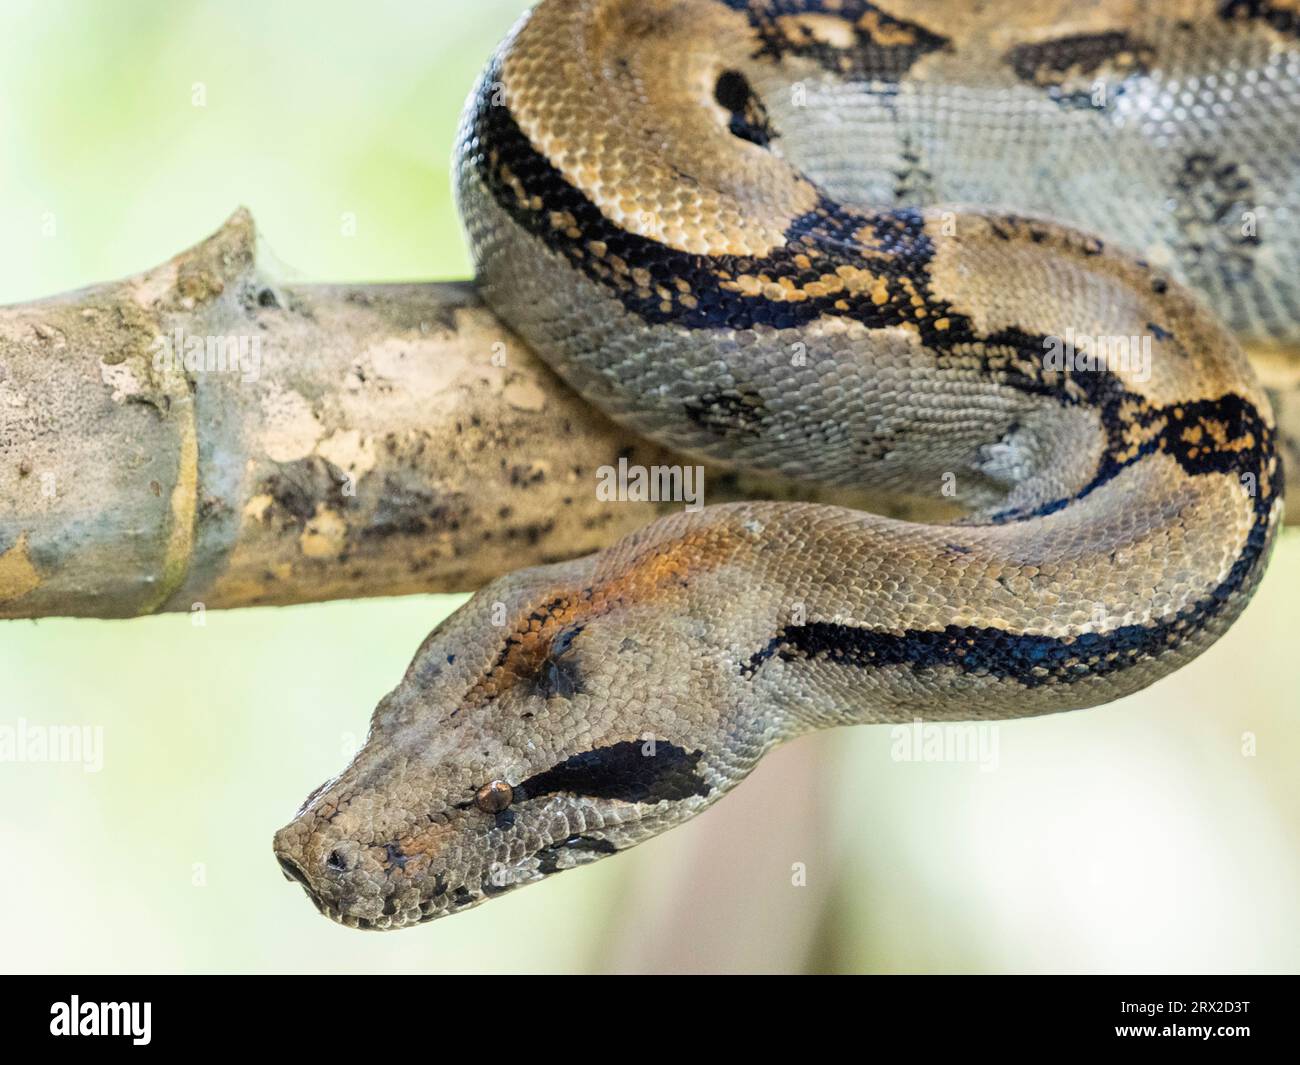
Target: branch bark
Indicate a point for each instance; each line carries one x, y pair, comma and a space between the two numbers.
365, 440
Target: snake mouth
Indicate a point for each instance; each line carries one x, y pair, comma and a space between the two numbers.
443, 901
429, 908
293, 871
388, 922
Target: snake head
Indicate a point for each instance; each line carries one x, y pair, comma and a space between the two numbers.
532, 733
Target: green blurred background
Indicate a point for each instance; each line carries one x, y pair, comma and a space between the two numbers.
1133, 837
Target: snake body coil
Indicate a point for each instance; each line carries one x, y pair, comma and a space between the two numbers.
724, 223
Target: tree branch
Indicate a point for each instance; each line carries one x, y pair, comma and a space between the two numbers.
202, 433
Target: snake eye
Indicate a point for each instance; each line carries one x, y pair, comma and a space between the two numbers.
494, 797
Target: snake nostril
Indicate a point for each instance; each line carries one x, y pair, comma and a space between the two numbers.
337, 862
293, 871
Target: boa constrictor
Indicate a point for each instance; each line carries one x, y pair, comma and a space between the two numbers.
726, 223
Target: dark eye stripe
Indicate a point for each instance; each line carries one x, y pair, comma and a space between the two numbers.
622, 771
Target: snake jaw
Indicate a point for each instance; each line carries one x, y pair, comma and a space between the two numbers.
373, 888
451, 866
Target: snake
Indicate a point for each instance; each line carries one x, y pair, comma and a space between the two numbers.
1003, 255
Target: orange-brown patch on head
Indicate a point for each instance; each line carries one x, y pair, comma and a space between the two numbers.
655, 574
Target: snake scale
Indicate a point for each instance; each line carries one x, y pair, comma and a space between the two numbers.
840, 239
